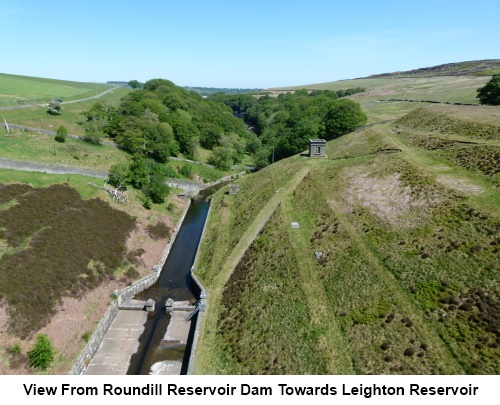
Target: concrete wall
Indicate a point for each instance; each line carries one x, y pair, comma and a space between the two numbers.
95, 341
191, 186
185, 185
202, 302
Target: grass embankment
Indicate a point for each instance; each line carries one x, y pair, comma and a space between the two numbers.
32, 147
406, 280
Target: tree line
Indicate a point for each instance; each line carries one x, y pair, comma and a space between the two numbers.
284, 124
159, 120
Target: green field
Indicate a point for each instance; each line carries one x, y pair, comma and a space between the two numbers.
19, 90
37, 117
33, 147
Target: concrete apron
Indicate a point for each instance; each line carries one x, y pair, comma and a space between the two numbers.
176, 336
122, 341
119, 344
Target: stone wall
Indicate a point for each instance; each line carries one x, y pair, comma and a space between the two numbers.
95, 341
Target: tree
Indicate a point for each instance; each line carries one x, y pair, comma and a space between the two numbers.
221, 158
97, 120
156, 188
61, 134
489, 94
261, 157
342, 117
54, 108
42, 353
134, 84
118, 174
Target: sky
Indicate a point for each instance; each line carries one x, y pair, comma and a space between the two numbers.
241, 44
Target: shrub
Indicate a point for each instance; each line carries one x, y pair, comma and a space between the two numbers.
15, 350
61, 134
410, 351
146, 202
42, 354
54, 108
186, 170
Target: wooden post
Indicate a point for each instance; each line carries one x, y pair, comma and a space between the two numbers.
6, 125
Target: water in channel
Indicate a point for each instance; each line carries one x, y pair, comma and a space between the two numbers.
174, 282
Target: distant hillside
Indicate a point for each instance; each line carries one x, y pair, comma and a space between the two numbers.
19, 90
206, 91
472, 68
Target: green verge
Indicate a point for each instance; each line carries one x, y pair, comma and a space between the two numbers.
71, 116
32, 147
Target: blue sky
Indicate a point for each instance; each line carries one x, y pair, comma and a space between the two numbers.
241, 43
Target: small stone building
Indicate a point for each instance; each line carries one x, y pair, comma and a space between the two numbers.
233, 188
317, 148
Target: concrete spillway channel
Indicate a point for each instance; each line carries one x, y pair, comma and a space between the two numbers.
149, 334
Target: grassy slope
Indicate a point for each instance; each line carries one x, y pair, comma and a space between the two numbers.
32, 147
409, 234
37, 117
454, 85
16, 90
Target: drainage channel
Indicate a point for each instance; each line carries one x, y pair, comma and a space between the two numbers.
158, 353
